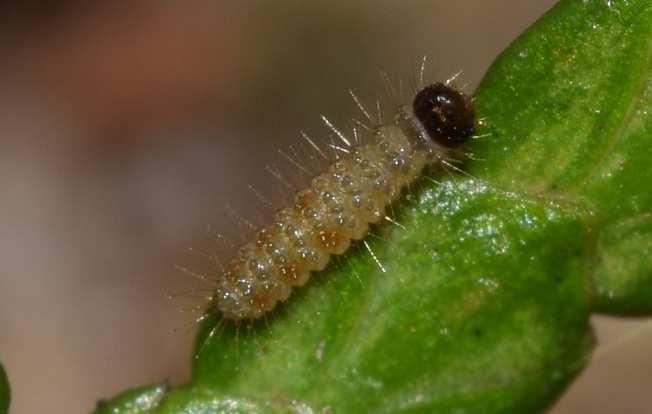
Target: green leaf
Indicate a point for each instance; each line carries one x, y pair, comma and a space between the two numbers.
5, 392
623, 272
483, 301
137, 401
570, 103
482, 308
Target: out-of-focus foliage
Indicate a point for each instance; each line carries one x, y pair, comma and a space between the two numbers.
4, 391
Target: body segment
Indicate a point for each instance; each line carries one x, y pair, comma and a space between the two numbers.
336, 208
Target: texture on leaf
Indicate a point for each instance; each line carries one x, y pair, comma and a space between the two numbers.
137, 401
484, 300
571, 105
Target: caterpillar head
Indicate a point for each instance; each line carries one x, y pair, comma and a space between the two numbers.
446, 115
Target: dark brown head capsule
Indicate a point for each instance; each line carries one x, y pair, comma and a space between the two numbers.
448, 116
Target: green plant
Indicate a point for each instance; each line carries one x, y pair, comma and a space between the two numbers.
4, 391
485, 303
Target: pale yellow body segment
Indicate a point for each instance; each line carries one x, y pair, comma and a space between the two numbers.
336, 208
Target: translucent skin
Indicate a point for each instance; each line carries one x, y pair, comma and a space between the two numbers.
336, 208
339, 205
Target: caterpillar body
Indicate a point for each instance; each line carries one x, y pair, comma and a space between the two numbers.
340, 204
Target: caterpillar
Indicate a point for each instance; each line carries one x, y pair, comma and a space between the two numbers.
339, 205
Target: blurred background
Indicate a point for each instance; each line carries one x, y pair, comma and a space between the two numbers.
125, 129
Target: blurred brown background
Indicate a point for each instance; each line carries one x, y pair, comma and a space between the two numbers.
126, 127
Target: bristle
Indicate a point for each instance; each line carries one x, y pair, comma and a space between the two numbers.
277, 174
374, 257
337, 207
422, 70
336, 131
295, 162
260, 197
360, 106
313, 145
394, 222
450, 81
